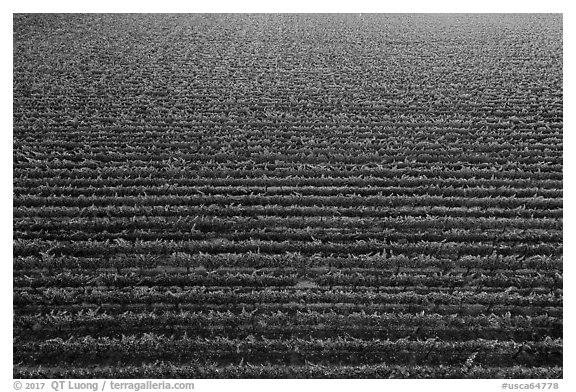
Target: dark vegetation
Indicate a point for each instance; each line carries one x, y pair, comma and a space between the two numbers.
288, 196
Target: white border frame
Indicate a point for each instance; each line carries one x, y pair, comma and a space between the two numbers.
297, 6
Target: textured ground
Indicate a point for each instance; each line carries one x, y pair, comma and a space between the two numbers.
288, 196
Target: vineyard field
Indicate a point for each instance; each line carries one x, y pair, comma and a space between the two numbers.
288, 196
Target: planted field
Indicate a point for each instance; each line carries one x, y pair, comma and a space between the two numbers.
200, 196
